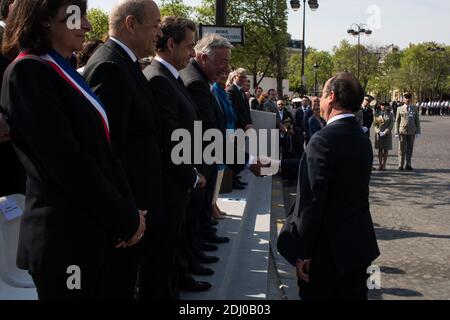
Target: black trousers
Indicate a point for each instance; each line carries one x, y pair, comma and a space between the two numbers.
54, 287
123, 273
327, 283
159, 269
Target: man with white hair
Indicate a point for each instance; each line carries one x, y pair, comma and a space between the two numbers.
116, 77
211, 63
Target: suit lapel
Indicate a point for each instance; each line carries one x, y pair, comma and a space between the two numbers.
182, 88
139, 76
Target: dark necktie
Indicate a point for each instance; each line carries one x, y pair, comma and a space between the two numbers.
137, 65
243, 95
180, 82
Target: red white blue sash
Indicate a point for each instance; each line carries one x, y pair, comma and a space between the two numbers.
76, 81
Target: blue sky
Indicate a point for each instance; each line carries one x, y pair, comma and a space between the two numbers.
400, 22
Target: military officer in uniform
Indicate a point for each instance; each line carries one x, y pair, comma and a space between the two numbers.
407, 128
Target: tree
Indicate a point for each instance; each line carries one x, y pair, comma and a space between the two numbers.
345, 58
265, 23
384, 82
175, 8
99, 21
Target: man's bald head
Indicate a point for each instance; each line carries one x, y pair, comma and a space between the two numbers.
136, 8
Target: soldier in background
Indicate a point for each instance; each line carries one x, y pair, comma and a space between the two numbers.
407, 128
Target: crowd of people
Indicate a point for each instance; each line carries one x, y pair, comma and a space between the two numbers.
94, 139
435, 108
86, 133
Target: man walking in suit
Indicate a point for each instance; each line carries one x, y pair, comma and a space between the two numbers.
337, 240
239, 100
407, 129
116, 77
175, 110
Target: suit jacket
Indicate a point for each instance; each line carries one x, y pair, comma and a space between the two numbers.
314, 124
360, 117
367, 117
78, 200
175, 110
279, 119
299, 113
241, 105
333, 197
307, 114
211, 112
125, 93
407, 123
270, 106
12, 173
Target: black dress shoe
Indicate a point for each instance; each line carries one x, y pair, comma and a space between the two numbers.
409, 168
400, 168
190, 284
208, 247
203, 258
242, 183
238, 186
213, 238
200, 270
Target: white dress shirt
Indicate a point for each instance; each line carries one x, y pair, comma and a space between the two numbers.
339, 117
171, 68
124, 47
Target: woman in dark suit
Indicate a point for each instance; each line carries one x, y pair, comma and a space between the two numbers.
78, 207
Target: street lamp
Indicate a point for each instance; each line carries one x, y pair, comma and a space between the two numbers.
434, 49
356, 30
295, 5
316, 68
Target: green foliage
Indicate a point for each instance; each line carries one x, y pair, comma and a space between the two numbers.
265, 23
175, 8
99, 21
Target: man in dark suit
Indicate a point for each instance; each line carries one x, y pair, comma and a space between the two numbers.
12, 173
282, 114
213, 53
198, 81
337, 236
175, 110
239, 100
307, 114
115, 75
236, 94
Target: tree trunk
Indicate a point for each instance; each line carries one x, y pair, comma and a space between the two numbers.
279, 75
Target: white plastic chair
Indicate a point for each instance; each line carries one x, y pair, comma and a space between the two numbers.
9, 238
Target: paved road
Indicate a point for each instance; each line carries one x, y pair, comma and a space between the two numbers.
411, 212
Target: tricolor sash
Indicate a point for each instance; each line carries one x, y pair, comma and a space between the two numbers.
76, 81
